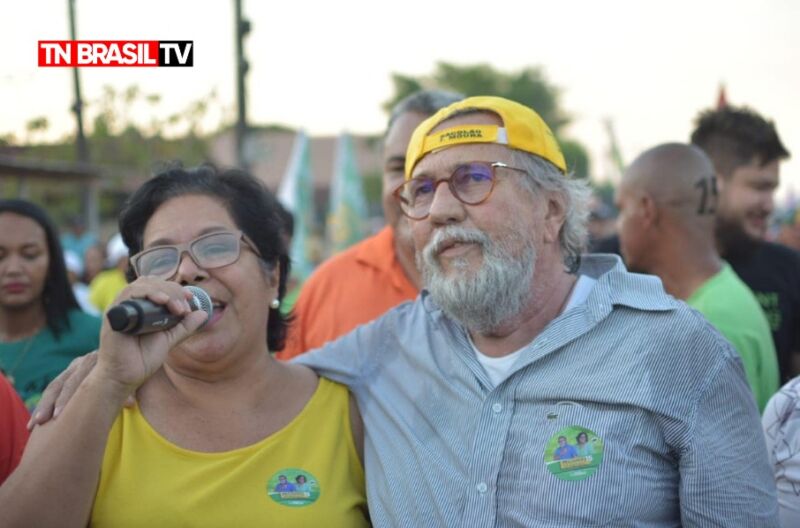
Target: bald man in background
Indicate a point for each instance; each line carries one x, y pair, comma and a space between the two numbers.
667, 200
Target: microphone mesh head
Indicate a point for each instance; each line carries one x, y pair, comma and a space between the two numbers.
200, 301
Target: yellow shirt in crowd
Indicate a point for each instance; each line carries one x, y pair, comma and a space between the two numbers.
105, 288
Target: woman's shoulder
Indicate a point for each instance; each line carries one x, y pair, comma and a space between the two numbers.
320, 388
318, 392
84, 330
332, 387
306, 379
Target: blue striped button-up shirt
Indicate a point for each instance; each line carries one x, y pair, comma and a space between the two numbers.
661, 395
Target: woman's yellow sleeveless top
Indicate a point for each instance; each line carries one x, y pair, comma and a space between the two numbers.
306, 474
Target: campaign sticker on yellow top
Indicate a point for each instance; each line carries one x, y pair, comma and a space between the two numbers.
293, 487
573, 453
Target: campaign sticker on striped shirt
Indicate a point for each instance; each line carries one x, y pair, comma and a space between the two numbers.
573, 453
293, 487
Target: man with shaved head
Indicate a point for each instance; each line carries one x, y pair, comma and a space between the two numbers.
666, 200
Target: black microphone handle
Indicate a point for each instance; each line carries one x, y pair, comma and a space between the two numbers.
140, 316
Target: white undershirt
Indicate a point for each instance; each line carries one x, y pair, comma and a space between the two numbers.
498, 368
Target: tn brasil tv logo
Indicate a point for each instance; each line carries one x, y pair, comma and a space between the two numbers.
119, 53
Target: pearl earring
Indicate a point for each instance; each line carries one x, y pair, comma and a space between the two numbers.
275, 304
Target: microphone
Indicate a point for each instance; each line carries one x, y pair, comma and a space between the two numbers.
140, 316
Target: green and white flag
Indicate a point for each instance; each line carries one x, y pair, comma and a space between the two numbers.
347, 214
296, 193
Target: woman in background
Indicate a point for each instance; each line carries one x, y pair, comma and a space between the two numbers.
42, 327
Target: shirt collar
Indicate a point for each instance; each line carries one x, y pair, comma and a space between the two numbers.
617, 286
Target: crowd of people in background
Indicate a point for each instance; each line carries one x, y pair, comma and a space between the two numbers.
666, 333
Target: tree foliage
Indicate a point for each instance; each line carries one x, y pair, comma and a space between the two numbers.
115, 139
528, 86
122, 146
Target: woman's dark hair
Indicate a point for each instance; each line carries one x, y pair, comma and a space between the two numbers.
253, 208
57, 296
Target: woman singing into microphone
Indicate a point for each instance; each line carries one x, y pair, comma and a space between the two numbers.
218, 427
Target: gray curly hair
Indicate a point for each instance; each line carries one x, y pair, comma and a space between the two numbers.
543, 175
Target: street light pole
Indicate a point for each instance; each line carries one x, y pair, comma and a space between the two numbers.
89, 191
242, 66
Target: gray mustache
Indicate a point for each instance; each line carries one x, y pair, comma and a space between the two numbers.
453, 235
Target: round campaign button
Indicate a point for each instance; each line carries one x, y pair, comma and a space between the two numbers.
293, 487
573, 453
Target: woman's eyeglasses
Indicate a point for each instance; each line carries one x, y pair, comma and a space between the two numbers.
213, 250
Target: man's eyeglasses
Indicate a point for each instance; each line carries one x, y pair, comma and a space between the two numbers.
213, 250
471, 183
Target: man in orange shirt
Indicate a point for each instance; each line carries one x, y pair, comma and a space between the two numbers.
378, 273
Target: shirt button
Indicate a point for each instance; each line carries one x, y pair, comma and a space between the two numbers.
482, 487
497, 408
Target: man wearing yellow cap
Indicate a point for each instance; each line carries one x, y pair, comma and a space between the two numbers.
519, 346
528, 385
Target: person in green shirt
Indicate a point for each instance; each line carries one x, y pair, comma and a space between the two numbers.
42, 327
667, 200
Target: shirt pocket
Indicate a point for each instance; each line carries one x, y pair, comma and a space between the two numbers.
573, 466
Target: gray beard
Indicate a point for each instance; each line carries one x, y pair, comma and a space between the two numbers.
483, 300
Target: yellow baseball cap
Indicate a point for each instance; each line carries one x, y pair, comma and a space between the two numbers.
522, 129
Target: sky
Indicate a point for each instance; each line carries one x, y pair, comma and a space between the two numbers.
326, 66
